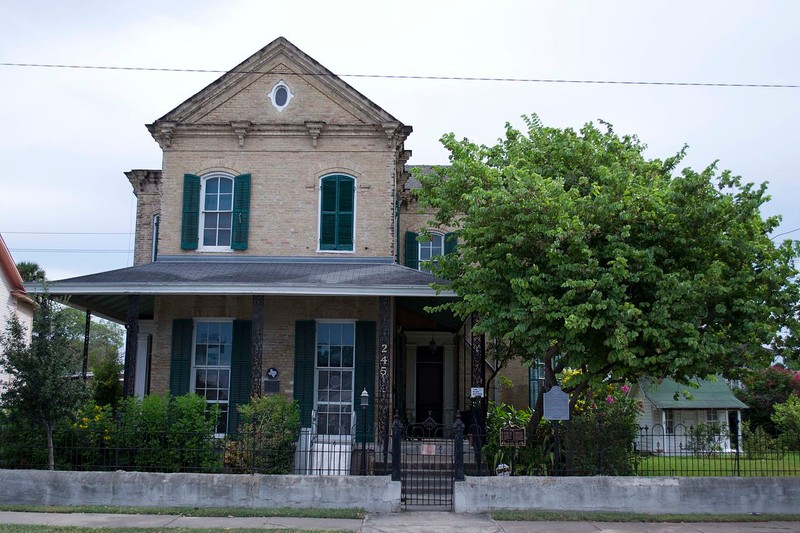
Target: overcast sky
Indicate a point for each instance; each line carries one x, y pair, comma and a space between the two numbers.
69, 134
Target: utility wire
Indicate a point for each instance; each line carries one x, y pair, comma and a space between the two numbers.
414, 77
784, 233
64, 233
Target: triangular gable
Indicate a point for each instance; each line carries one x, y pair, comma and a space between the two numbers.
280, 59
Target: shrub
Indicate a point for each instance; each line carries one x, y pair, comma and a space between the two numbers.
268, 433
787, 421
707, 439
758, 444
765, 388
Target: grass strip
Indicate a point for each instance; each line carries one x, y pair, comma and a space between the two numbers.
603, 516
354, 513
27, 528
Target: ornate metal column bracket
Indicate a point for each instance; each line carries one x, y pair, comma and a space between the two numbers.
384, 376
257, 349
131, 343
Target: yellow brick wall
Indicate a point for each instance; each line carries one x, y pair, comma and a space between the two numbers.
280, 314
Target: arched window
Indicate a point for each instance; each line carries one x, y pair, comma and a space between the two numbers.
216, 212
429, 250
337, 212
216, 215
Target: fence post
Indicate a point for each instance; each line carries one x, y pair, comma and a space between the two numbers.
253, 455
397, 429
458, 443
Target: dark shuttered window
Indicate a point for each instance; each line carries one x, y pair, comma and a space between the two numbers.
337, 213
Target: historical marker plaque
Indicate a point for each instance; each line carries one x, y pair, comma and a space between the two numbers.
556, 404
512, 436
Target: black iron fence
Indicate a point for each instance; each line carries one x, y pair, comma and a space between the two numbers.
137, 449
462, 450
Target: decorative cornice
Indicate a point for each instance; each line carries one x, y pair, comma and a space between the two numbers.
144, 181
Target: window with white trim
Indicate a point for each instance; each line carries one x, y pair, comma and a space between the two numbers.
211, 366
216, 216
334, 369
429, 250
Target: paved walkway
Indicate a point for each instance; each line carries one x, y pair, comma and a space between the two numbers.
412, 522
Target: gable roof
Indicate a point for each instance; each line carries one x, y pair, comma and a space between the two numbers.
301, 63
668, 394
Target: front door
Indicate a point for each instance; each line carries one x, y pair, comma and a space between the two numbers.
430, 380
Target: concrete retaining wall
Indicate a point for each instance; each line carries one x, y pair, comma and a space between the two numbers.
721, 495
36, 487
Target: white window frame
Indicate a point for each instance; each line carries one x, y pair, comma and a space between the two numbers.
202, 220
319, 213
351, 430
272, 95
193, 375
427, 243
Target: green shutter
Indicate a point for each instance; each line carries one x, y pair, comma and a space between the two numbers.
191, 212
241, 211
365, 376
305, 340
240, 371
450, 243
412, 250
337, 213
181, 357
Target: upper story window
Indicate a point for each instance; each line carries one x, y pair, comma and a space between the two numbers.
429, 250
216, 212
337, 213
421, 251
280, 96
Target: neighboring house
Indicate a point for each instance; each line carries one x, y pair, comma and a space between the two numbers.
670, 410
270, 257
14, 301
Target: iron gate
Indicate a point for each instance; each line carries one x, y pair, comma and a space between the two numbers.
426, 466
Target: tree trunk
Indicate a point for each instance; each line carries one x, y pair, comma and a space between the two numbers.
51, 463
549, 382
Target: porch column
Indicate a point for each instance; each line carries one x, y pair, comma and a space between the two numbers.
131, 341
86, 334
146, 329
257, 348
384, 364
478, 374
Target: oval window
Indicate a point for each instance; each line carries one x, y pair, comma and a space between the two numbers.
281, 95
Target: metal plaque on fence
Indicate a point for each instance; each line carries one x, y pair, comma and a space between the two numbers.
512, 436
556, 404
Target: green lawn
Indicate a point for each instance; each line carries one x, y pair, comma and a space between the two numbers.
787, 464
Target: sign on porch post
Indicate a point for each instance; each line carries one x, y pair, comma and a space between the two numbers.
384, 377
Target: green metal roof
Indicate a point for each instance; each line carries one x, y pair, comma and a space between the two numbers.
669, 394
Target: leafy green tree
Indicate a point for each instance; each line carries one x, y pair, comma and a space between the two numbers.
42, 390
105, 338
31, 271
762, 390
106, 386
582, 253
787, 420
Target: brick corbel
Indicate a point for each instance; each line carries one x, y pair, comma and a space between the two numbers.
315, 130
240, 128
390, 129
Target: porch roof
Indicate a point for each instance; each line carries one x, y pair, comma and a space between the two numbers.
105, 293
668, 394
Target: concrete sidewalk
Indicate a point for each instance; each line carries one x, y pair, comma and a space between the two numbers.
414, 522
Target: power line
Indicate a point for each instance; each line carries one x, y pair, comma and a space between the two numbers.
415, 77
68, 250
65, 233
784, 233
